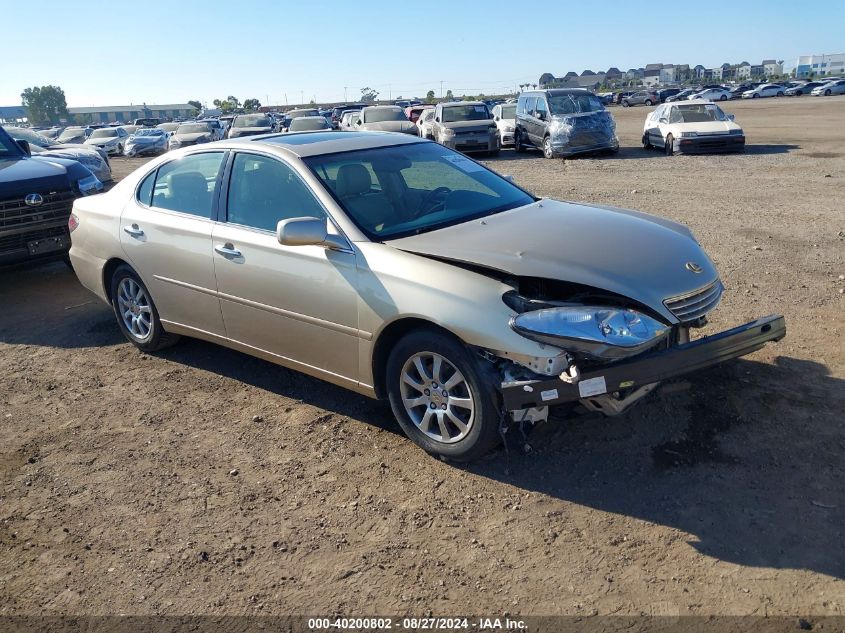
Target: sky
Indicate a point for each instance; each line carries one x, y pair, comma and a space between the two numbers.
287, 52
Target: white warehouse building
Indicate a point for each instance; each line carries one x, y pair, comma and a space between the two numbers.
816, 65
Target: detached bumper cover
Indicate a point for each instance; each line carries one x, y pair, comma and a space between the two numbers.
648, 368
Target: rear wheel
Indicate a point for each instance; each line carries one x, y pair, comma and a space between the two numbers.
441, 397
548, 152
136, 313
723, 98
670, 145
780, 93
648, 102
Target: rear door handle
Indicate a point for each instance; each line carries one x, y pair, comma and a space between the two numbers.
227, 250
133, 230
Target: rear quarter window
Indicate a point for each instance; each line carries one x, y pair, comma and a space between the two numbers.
144, 195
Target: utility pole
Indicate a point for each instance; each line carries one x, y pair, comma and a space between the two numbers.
345, 98
441, 88
389, 92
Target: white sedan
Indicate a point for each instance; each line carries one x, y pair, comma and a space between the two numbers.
425, 124
695, 126
830, 88
713, 94
764, 90
504, 114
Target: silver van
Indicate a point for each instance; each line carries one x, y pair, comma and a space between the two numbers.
564, 122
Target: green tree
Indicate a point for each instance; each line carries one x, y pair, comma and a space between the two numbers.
45, 104
368, 95
251, 105
429, 96
449, 95
196, 104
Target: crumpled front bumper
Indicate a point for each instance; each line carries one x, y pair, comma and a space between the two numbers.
647, 368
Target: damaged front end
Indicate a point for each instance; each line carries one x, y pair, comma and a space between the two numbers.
582, 133
613, 352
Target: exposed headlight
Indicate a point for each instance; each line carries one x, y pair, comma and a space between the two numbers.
90, 162
89, 185
448, 132
736, 132
594, 331
688, 134
509, 128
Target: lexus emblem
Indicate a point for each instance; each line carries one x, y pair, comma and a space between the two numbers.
693, 267
34, 200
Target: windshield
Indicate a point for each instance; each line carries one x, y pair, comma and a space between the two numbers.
71, 133
377, 115
108, 132
149, 132
192, 128
33, 138
7, 146
451, 114
509, 111
698, 113
307, 123
252, 121
574, 104
293, 114
391, 192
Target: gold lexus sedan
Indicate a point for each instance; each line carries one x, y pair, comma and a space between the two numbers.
402, 269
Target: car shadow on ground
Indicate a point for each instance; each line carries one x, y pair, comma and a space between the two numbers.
632, 152
747, 460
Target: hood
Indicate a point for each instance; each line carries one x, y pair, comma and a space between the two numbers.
78, 139
390, 126
629, 253
706, 127
249, 131
469, 125
102, 141
21, 176
146, 140
190, 138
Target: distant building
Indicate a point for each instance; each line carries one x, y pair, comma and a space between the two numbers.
818, 65
127, 113
772, 68
12, 114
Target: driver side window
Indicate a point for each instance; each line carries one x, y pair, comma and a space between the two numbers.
541, 112
264, 190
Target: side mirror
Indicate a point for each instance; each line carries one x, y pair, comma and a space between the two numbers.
24, 145
663, 119
731, 117
496, 118
437, 118
308, 231
507, 177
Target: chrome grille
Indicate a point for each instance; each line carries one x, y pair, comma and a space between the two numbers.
16, 214
695, 304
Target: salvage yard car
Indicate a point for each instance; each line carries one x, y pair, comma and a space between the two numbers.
466, 126
191, 134
110, 139
764, 90
384, 119
309, 123
147, 140
830, 88
504, 114
694, 126
564, 122
250, 125
94, 158
35, 201
401, 269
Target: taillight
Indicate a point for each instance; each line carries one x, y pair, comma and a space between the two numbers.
72, 222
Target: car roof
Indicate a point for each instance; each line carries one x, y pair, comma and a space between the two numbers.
305, 144
463, 103
382, 107
691, 102
559, 91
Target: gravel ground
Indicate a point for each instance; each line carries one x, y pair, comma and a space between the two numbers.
201, 480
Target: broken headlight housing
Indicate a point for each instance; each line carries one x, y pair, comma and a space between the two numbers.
597, 332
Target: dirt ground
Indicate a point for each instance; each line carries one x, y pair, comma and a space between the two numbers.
200, 480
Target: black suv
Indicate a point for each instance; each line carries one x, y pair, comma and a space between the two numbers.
36, 196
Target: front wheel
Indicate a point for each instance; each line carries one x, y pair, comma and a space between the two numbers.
441, 397
780, 94
646, 142
723, 98
625, 104
670, 145
548, 152
827, 93
136, 313
518, 147
755, 96
648, 102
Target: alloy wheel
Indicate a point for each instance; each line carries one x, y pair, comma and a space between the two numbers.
547, 148
436, 397
135, 311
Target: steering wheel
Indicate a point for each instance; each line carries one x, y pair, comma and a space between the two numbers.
433, 201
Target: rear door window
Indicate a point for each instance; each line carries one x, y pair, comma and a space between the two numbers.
188, 185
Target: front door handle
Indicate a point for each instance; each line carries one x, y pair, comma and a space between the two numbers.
227, 250
133, 230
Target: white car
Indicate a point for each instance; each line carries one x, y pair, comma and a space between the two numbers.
712, 94
111, 139
830, 88
764, 90
504, 114
347, 120
694, 126
425, 124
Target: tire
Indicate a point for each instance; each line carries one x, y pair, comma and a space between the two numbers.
120, 150
827, 92
723, 98
131, 301
755, 96
518, 147
670, 145
421, 421
625, 104
548, 152
495, 153
646, 142
649, 102
780, 94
